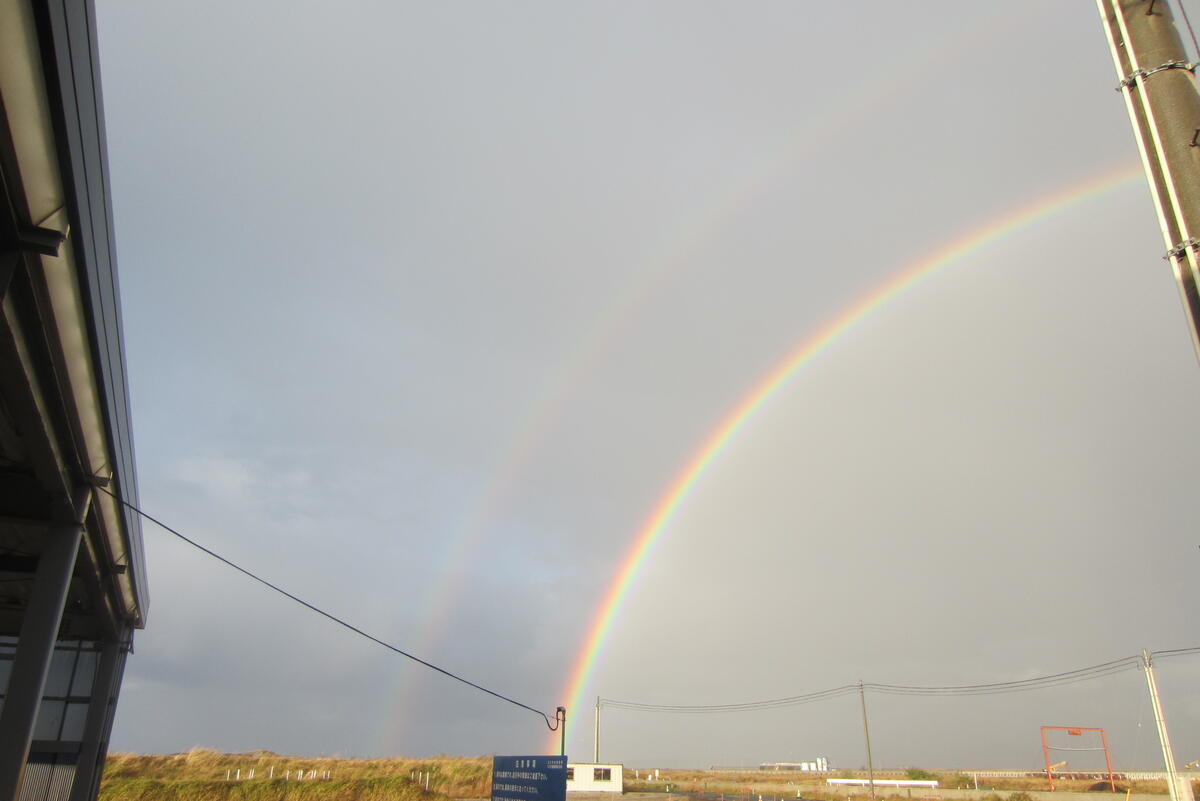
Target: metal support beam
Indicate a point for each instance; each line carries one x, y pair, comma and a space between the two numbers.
122, 659
32, 239
96, 724
1159, 90
35, 648
862, 697
560, 714
1179, 790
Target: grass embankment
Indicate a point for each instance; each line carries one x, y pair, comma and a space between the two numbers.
1028, 783
200, 775
813, 786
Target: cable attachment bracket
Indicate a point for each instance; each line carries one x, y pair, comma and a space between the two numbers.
1183, 247
36, 239
1132, 78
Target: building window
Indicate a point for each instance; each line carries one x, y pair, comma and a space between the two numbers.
570, 774
602, 774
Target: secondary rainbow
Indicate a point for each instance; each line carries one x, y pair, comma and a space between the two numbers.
960, 247
851, 107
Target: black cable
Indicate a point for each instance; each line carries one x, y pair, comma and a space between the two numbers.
1174, 652
1187, 21
1003, 688
774, 703
1022, 685
553, 726
1054, 679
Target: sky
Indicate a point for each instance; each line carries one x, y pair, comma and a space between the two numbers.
428, 306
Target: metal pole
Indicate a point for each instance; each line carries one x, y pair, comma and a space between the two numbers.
1163, 105
561, 715
86, 772
1177, 791
1046, 755
35, 648
1112, 781
862, 697
596, 747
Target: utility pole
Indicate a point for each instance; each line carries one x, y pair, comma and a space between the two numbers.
1158, 85
596, 751
1180, 790
862, 697
560, 715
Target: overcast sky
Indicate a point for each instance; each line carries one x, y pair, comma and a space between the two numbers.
427, 304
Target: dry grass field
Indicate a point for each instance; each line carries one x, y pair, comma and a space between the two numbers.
200, 775
752, 782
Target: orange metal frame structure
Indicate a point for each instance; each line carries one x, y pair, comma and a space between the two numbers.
1077, 731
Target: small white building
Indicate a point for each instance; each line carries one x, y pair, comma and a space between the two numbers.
592, 777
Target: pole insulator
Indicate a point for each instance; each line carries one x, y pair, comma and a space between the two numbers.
1132, 78
1182, 248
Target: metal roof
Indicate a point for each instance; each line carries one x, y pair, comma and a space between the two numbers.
63, 382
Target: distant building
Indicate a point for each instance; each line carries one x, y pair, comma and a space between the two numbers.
818, 765
926, 783
593, 777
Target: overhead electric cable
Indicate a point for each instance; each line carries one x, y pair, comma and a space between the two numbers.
772, 703
1088, 673
1021, 685
553, 726
1174, 652
1188, 22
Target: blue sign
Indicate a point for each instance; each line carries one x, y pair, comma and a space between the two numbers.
529, 778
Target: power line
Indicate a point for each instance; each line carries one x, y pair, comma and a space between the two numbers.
1088, 673
1174, 652
1021, 685
553, 726
772, 703
1188, 22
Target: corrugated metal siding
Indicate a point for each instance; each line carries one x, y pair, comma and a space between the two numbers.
61, 779
36, 782
46, 781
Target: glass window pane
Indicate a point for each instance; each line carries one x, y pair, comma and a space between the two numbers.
84, 672
50, 717
60, 673
5, 670
73, 722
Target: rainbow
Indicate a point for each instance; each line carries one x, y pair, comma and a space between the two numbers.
655, 270
966, 244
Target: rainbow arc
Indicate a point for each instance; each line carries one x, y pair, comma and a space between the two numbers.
907, 278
